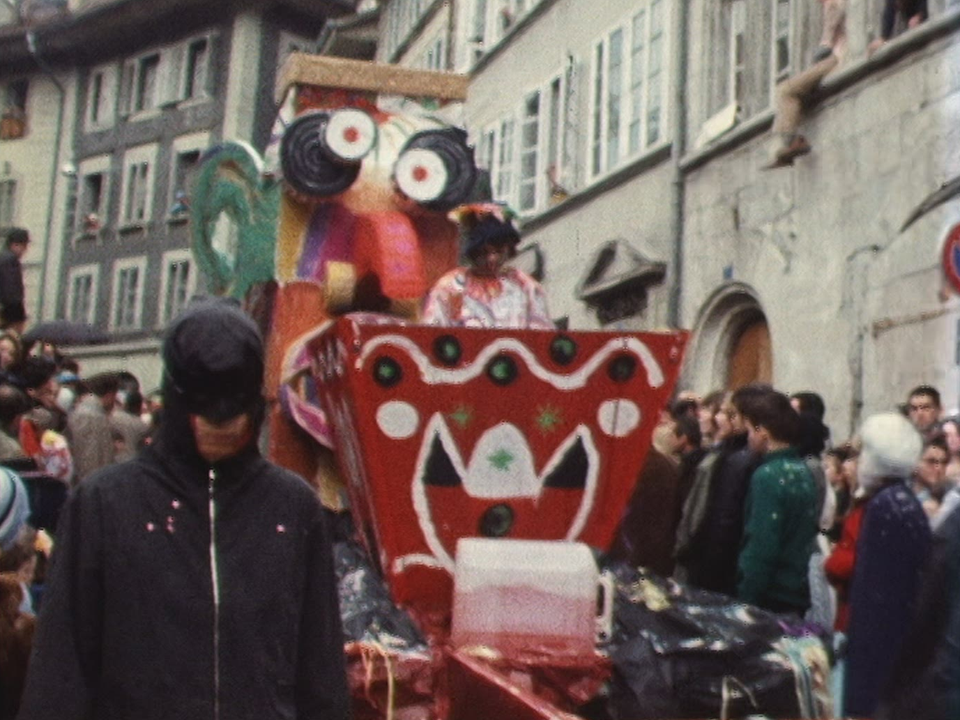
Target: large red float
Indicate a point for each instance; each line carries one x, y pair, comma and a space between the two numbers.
446, 433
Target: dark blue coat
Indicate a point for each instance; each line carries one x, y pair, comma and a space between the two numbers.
925, 682
891, 552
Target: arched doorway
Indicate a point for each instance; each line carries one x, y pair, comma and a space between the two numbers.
731, 344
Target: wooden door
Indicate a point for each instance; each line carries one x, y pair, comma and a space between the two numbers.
751, 359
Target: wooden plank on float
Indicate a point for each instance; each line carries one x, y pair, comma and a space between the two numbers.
330, 72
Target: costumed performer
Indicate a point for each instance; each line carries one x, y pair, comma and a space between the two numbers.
486, 293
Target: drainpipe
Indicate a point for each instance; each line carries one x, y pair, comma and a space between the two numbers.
678, 136
31, 38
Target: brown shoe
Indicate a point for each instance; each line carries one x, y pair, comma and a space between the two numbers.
785, 156
797, 147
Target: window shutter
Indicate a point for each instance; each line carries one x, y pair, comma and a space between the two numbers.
172, 85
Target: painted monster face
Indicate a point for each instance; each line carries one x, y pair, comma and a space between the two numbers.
448, 433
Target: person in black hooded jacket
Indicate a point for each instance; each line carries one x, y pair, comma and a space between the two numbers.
195, 581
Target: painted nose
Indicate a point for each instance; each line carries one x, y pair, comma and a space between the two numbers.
387, 246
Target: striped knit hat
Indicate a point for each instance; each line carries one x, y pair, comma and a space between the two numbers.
14, 508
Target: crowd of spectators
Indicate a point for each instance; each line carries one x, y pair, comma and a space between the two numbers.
56, 427
849, 535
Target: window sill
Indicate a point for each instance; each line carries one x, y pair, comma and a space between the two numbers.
600, 185
92, 127
190, 102
179, 219
87, 236
146, 114
129, 228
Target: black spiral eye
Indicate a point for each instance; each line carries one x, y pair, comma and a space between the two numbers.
310, 168
436, 169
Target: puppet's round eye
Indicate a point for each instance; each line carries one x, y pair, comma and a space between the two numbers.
436, 169
421, 175
350, 135
308, 169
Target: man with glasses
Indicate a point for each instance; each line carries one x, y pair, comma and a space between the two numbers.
923, 409
930, 477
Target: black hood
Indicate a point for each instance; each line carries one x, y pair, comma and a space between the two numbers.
213, 360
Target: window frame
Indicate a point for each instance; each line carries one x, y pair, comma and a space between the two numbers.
11, 207
132, 93
526, 180
487, 22
205, 91
615, 109
183, 145
119, 267
97, 117
15, 108
91, 270
137, 156
100, 165
736, 70
164, 312
777, 76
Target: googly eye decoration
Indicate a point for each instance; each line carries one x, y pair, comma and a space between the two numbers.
308, 170
436, 168
350, 135
421, 175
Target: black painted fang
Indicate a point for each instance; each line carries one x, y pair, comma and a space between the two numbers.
439, 470
571, 472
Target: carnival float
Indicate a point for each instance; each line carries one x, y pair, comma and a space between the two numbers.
475, 476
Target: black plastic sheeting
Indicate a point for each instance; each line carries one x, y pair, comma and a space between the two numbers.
674, 649
367, 612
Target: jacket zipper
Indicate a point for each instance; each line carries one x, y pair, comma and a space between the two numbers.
215, 580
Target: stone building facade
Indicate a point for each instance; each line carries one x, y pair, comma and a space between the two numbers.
146, 88
631, 135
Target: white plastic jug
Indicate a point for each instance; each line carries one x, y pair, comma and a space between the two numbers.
528, 595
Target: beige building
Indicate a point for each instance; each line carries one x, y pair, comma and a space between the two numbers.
631, 135
108, 107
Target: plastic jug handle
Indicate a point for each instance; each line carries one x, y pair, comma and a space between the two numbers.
606, 586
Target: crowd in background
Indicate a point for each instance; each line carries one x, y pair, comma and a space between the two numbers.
745, 493
56, 428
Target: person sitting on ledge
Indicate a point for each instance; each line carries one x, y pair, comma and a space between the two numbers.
793, 91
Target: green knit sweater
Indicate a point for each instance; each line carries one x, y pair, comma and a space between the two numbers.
779, 532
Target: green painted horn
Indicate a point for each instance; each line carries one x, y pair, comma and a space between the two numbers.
230, 180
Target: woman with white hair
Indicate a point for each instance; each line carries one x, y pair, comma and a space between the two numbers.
892, 547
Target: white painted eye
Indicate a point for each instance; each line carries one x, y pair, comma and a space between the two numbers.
421, 175
398, 420
618, 418
350, 134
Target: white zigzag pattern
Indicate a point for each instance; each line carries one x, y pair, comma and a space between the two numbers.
433, 375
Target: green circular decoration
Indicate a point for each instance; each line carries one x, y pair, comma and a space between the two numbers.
387, 372
496, 521
563, 349
502, 370
447, 350
622, 368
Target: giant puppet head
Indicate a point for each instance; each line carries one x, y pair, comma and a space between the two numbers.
347, 211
